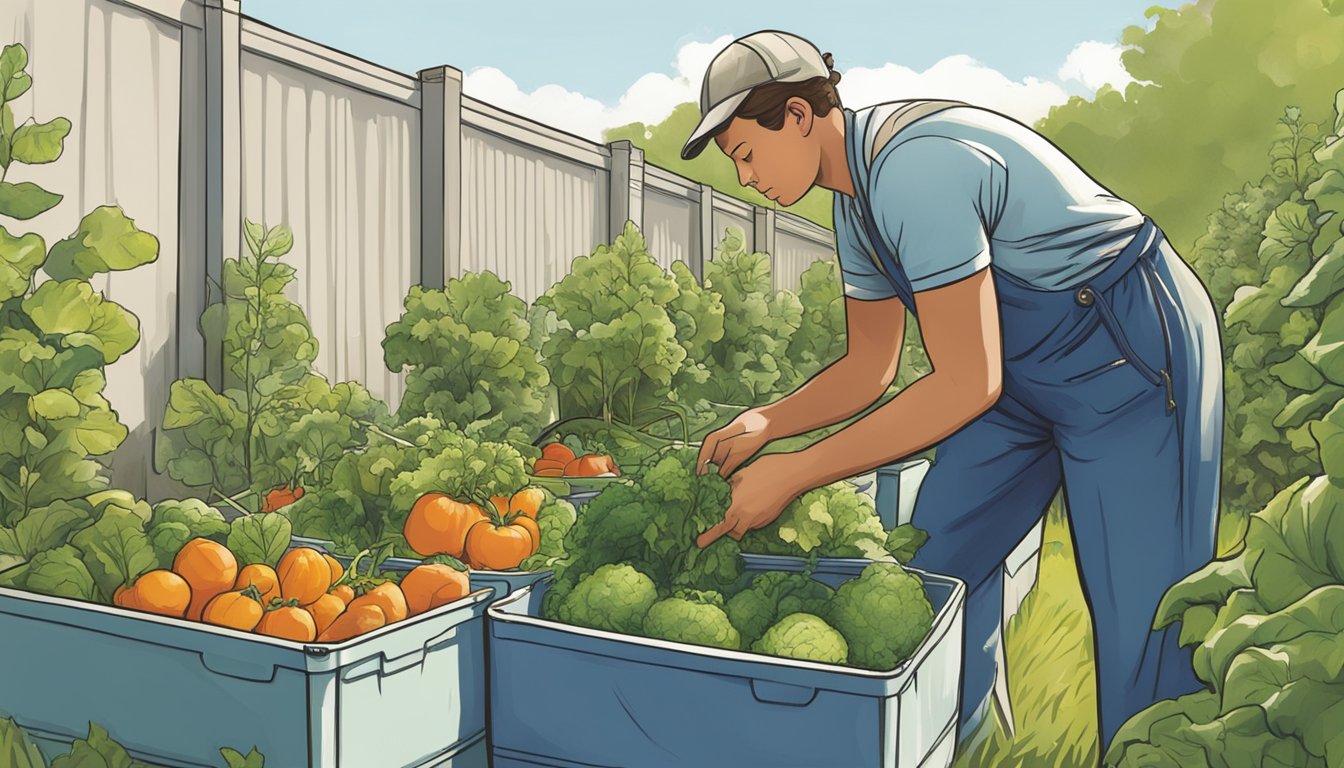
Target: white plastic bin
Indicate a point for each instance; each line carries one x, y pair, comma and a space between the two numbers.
570, 697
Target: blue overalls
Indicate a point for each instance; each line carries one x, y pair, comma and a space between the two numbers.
1114, 389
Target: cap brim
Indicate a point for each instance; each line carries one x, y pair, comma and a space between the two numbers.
712, 122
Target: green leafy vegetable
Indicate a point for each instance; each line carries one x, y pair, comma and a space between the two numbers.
16, 749
116, 550
259, 538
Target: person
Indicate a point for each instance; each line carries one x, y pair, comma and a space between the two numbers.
1069, 344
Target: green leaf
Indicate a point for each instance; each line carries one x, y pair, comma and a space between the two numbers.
60, 573
50, 527
1308, 405
73, 309
1326, 349
279, 241
259, 538
53, 404
1297, 373
13, 62
16, 749
1322, 281
106, 240
116, 549
253, 233
36, 143
235, 759
97, 751
19, 258
25, 200
167, 539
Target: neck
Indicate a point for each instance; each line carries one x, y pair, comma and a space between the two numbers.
834, 172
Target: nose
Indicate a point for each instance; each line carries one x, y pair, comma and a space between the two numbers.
746, 177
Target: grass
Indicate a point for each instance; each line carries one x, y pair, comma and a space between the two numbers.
1048, 650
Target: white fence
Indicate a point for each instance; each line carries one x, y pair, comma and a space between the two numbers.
192, 117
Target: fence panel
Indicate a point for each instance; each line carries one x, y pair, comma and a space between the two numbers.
527, 211
340, 166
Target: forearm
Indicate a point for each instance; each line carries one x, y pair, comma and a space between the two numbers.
840, 391
919, 417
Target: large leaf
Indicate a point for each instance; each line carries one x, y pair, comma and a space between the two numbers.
1308, 405
72, 308
106, 240
1323, 281
61, 573
1326, 349
116, 549
97, 751
260, 538
50, 526
36, 143
19, 258
25, 200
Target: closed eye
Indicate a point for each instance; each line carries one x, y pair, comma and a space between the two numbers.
747, 158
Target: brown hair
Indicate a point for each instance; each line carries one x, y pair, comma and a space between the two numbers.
766, 104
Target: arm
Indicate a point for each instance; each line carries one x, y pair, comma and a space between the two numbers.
962, 337
961, 334
874, 333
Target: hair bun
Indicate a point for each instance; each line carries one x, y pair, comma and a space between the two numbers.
829, 61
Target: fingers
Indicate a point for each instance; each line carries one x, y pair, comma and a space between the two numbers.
736, 455
725, 526
706, 451
722, 453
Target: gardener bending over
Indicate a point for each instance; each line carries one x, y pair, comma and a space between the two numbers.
1069, 344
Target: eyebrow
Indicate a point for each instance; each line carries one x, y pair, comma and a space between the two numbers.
739, 146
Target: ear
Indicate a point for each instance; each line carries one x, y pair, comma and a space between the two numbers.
797, 111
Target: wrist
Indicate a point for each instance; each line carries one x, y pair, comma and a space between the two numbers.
799, 472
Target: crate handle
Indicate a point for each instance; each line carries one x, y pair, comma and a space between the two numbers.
231, 666
768, 692
416, 657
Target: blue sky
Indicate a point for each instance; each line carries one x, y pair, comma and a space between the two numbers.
592, 53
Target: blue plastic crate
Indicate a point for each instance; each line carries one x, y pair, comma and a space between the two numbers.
173, 691
571, 697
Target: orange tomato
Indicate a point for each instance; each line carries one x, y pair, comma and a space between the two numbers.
557, 452
263, 577
162, 592
288, 622
496, 545
237, 609
429, 586
304, 575
438, 525
354, 622
209, 568
325, 610
527, 501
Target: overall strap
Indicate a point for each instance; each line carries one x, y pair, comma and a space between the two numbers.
883, 259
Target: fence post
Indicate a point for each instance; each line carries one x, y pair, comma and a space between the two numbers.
627, 186
763, 232
223, 159
440, 175
708, 237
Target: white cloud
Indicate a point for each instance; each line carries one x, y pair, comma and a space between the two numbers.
653, 96
957, 77
1095, 64
649, 100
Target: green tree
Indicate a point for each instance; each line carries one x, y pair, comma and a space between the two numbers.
1211, 78
662, 147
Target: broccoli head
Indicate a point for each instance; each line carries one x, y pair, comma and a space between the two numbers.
884, 614
832, 521
199, 518
692, 617
806, 637
555, 519
774, 594
615, 598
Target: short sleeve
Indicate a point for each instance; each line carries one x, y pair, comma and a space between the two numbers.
934, 199
861, 279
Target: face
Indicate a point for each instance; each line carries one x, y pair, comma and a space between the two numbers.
782, 164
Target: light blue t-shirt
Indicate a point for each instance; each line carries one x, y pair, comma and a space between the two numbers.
967, 187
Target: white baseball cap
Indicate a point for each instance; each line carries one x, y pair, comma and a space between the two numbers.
762, 57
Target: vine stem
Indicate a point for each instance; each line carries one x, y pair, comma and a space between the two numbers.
227, 499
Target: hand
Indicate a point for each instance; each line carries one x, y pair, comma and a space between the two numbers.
729, 446
760, 493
